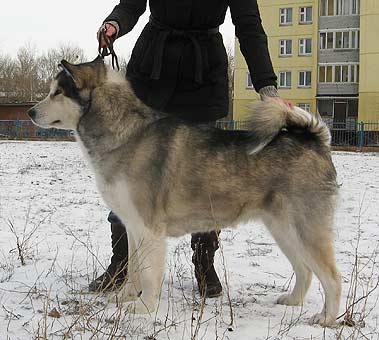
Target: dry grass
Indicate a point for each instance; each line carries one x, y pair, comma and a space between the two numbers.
363, 284
73, 313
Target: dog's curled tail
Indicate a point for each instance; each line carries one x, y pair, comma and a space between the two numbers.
272, 115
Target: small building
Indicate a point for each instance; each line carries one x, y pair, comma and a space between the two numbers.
15, 111
16, 124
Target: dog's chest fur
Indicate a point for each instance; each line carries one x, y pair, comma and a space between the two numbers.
117, 195
116, 192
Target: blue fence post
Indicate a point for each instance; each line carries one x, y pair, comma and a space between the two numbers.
361, 135
18, 128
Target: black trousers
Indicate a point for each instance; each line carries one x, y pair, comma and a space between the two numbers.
203, 241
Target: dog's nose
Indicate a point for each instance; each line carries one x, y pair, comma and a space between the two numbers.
32, 113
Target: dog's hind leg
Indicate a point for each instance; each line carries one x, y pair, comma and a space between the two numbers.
309, 248
286, 238
320, 258
315, 233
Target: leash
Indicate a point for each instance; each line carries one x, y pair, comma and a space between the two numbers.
108, 49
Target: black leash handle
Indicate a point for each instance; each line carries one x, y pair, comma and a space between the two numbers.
108, 49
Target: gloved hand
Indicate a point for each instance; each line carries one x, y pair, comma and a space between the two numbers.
110, 30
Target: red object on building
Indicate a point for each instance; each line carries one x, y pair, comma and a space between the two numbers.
15, 111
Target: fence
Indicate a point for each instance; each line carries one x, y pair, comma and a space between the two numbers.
25, 129
346, 133
360, 134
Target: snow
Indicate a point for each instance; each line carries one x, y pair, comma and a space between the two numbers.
48, 195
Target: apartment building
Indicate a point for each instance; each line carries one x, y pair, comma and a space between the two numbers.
325, 54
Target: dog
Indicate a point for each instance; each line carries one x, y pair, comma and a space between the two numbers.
167, 177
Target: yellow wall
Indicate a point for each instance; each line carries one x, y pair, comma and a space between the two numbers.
369, 62
270, 12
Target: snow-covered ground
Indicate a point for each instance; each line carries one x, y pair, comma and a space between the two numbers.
49, 206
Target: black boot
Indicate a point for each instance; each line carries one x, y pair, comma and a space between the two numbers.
116, 273
204, 246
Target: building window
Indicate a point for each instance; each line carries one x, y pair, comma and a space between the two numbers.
354, 39
326, 40
285, 48
305, 106
285, 79
346, 7
355, 4
325, 74
285, 16
326, 7
342, 40
305, 78
339, 73
249, 83
305, 46
323, 40
345, 74
339, 39
305, 15
339, 7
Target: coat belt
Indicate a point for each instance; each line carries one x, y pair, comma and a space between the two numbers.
163, 32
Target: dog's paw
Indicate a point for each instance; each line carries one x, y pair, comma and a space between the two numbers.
140, 307
323, 320
127, 294
288, 300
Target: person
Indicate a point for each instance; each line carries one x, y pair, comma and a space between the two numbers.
179, 65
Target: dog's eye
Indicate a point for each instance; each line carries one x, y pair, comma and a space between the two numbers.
57, 92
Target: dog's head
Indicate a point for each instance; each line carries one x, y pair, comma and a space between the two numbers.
70, 95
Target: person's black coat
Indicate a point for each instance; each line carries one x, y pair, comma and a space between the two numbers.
190, 78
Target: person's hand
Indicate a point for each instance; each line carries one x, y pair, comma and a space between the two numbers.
285, 101
270, 91
110, 32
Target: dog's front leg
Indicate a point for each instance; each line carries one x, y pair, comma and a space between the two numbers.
132, 288
150, 259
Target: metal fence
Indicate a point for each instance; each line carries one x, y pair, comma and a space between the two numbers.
232, 124
25, 129
346, 133
361, 134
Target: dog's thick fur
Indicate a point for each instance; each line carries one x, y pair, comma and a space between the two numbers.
166, 177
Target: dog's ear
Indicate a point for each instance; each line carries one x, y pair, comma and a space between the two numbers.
73, 71
86, 75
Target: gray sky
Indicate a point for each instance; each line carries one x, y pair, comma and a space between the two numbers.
45, 24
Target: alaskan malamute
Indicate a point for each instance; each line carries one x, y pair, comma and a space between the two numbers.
166, 177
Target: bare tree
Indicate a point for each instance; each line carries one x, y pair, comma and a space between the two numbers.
230, 54
123, 62
27, 77
8, 71
48, 62
73, 54
18, 76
